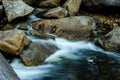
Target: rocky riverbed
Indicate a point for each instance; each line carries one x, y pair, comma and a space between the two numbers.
58, 37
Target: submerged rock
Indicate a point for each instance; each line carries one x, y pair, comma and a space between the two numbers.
12, 42
37, 52
111, 41
73, 28
15, 9
49, 3
72, 6
57, 12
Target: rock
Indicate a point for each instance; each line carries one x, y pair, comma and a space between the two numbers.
57, 12
15, 9
110, 41
73, 28
23, 26
1, 10
37, 52
6, 71
72, 6
29, 2
8, 26
41, 35
12, 42
101, 4
49, 3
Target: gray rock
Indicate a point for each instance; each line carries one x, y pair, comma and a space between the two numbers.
111, 41
72, 6
37, 52
16, 8
6, 71
73, 28
57, 12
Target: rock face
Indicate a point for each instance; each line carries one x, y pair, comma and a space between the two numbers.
15, 9
49, 3
37, 52
12, 42
111, 41
57, 12
74, 28
6, 71
72, 6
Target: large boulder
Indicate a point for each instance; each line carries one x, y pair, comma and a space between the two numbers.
110, 41
12, 42
16, 8
72, 6
73, 28
37, 52
57, 12
6, 71
49, 3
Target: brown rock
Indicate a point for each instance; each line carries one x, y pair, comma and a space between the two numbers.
16, 8
57, 12
12, 42
72, 6
37, 52
49, 3
111, 41
74, 28
41, 35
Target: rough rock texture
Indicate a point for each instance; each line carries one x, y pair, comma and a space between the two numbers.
37, 52
101, 2
74, 28
111, 41
72, 6
16, 8
12, 42
41, 35
49, 3
57, 12
6, 71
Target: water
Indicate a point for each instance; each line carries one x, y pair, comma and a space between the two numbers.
76, 60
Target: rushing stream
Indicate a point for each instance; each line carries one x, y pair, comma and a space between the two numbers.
76, 60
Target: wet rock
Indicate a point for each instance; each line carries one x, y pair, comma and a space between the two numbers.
23, 26
73, 28
72, 6
111, 41
15, 9
6, 71
41, 35
37, 52
12, 42
49, 3
57, 12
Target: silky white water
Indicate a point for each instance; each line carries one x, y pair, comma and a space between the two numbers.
67, 50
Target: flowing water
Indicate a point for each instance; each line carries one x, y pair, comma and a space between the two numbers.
75, 60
